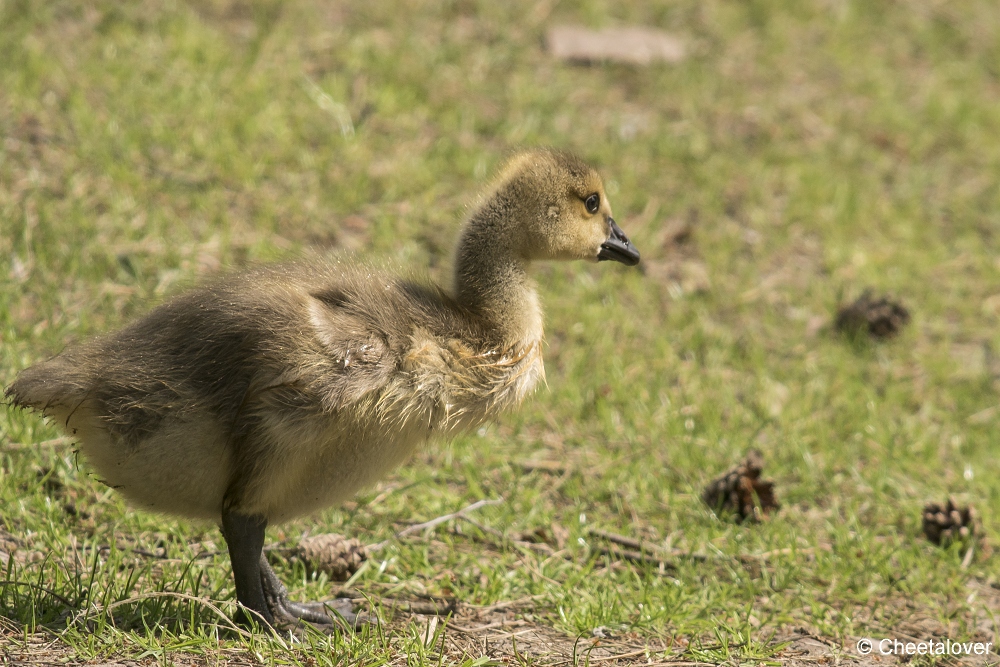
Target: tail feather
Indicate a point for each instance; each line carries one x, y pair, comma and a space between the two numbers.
47, 386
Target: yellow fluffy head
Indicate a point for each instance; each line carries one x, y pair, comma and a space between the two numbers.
564, 210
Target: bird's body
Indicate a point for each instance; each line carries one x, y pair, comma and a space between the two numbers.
282, 390
288, 388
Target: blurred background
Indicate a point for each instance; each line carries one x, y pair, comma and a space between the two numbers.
791, 155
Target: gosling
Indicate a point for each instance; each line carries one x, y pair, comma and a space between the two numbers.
282, 390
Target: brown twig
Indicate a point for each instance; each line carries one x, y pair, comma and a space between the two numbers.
428, 606
629, 542
541, 547
489, 626
20, 446
508, 603
630, 654
499, 534
507, 635
441, 607
643, 552
427, 525
634, 556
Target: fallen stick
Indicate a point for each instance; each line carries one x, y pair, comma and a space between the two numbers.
489, 626
21, 446
643, 551
508, 603
429, 606
629, 542
422, 607
632, 654
635, 556
540, 547
427, 525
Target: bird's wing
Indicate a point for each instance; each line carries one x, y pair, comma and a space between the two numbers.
355, 358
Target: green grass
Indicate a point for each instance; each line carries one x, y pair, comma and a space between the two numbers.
814, 148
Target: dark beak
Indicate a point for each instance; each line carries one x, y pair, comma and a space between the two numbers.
618, 247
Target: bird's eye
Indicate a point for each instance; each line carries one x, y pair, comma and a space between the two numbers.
593, 202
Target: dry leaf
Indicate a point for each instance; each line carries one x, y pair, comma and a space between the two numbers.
630, 45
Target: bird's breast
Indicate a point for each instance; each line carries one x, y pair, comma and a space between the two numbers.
449, 385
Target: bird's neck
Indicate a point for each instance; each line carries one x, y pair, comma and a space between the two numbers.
491, 280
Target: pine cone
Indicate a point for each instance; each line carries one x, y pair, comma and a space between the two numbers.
879, 318
944, 524
740, 490
338, 556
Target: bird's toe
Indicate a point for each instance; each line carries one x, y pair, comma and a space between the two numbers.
328, 617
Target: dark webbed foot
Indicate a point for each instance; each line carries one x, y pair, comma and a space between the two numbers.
325, 616
261, 593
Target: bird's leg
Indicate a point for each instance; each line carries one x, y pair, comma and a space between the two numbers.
262, 594
245, 539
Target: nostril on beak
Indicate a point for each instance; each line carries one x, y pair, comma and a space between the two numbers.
618, 247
